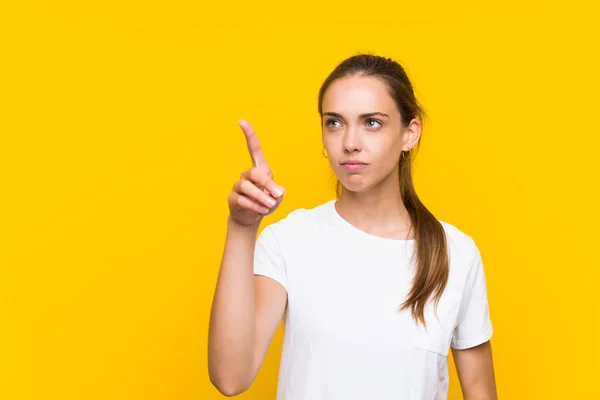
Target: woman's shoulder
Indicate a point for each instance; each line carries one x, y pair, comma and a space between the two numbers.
301, 219
461, 245
454, 233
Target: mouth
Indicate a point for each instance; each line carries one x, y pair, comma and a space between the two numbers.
353, 165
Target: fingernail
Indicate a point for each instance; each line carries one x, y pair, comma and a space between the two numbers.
278, 191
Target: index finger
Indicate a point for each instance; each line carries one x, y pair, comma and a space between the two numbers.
258, 158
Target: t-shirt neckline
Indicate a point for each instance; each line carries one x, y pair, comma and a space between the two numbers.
342, 223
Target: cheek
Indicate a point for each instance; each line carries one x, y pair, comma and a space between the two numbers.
389, 162
328, 142
386, 150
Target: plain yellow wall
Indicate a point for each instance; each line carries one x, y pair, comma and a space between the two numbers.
119, 145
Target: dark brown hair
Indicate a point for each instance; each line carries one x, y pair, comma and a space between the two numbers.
430, 248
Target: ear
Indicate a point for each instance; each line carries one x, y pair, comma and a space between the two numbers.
412, 134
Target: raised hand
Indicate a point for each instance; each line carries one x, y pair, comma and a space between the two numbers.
255, 194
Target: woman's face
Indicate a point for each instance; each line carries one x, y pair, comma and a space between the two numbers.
361, 123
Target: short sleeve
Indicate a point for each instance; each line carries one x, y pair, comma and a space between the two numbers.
474, 325
268, 260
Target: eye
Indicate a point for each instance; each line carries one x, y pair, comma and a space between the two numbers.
331, 121
371, 120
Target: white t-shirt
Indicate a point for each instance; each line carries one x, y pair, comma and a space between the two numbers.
344, 337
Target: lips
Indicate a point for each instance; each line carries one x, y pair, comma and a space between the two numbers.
353, 166
353, 162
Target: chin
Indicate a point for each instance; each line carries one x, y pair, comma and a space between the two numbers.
356, 185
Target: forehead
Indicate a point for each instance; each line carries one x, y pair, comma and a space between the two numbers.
358, 94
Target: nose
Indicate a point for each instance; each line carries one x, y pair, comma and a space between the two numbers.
351, 141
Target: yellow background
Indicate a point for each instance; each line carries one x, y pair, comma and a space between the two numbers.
119, 145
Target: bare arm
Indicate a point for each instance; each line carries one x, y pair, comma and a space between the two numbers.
246, 309
245, 314
476, 372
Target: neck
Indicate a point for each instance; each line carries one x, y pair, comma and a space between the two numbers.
378, 211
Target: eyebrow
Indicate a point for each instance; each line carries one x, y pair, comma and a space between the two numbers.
362, 116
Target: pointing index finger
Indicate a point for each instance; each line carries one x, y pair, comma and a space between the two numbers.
258, 158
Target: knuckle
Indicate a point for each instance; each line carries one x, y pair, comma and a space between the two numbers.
254, 173
261, 177
245, 186
234, 199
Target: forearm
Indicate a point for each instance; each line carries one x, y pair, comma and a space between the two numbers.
232, 322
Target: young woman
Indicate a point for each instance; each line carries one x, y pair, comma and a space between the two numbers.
372, 288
